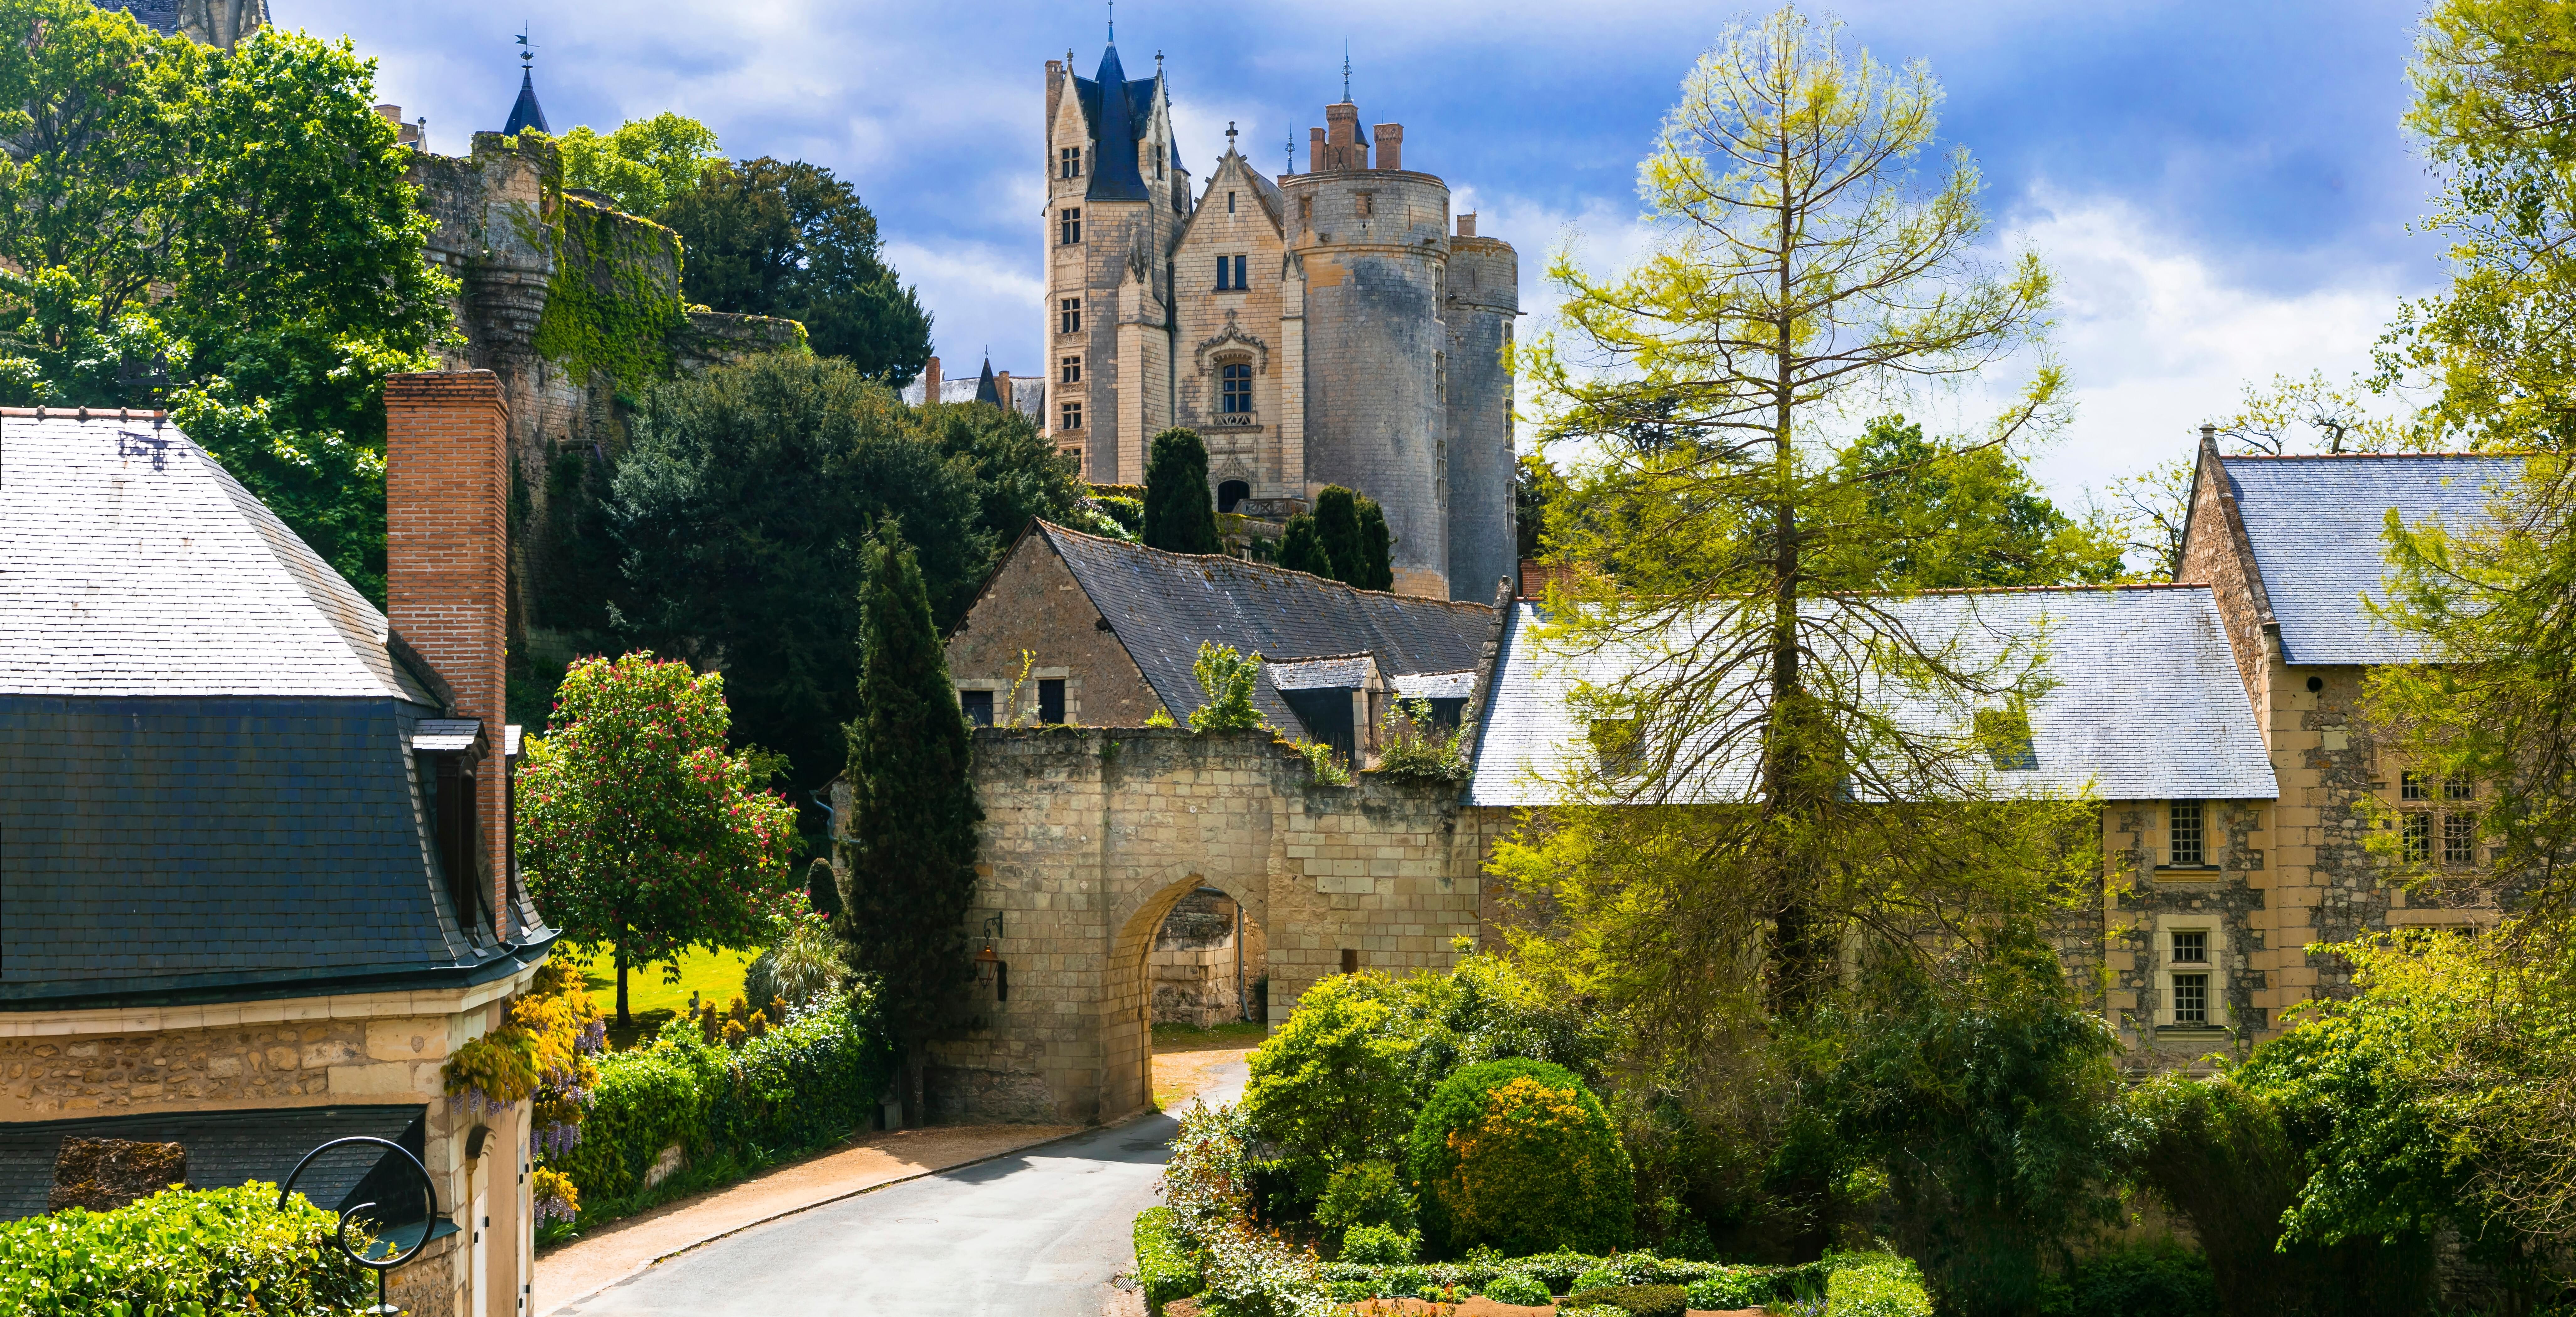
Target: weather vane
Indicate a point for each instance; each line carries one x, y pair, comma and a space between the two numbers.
1346, 70
1113, 22
1229, 137
527, 48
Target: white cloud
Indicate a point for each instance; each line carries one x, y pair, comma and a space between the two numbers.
973, 287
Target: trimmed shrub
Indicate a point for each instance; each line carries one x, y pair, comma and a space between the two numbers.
801, 1085
1516, 1289
1518, 1155
1166, 1266
1875, 1285
1380, 1244
1636, 1300
202, 1251
1365, 1194
1598, 1278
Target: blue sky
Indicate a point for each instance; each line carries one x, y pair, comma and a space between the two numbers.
2223, 188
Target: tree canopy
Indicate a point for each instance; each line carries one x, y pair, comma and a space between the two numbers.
226, 232
639, 830
786, 238
643, 164
1955, 516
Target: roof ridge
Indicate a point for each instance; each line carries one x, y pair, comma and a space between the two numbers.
2065, 589
1246, 563
2337, 457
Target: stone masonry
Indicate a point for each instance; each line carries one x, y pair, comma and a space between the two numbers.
1092, 836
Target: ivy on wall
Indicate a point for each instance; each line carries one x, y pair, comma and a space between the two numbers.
613, 302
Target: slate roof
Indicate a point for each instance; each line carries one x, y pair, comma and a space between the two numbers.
206, 779
1114, 124
161, 16
1162, 605
525, 112
132, 564
224, 1148
2316, 526
2146, 705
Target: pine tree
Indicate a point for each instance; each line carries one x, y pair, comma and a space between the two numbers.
1337, 520
911, 831
1377, 549
1180, 515
1302, 549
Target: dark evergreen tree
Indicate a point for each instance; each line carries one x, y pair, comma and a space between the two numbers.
1337, 520
1302, 550
1377, 549
1180, 515
911, 830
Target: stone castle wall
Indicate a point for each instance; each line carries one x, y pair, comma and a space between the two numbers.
1092, 836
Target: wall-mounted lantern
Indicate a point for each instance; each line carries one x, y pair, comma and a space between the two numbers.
991, 970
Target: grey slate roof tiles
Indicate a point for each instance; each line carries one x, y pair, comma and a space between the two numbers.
2147, 704
2316, 526
1162, 605
224, 1148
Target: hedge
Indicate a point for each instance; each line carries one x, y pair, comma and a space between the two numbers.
802, 1085
198, 1251
1875, 1285
1167, 1267
1743, 1286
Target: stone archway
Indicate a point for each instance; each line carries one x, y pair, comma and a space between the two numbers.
1127, 990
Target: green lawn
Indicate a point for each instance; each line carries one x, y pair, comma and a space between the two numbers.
715, 976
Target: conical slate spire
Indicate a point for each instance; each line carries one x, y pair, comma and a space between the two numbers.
985, 389
527, 113
1114, 176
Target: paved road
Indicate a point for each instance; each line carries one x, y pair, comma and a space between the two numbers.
1035, 1234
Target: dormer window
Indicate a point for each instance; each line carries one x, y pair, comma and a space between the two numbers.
1069, 162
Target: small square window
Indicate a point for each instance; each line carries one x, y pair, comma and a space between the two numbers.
2415, 837
1069, 226
978, 706
1071, 418
2460, 838
2459, 788
1070, 161
1072, 372
2410, 786
1069, 316
2191, 946
1051, 700
2191, 1000
2185, 840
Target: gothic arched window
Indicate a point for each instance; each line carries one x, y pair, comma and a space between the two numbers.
1236, 382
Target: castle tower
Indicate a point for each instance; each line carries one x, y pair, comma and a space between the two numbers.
1368, 252
1116, 199
1483, 298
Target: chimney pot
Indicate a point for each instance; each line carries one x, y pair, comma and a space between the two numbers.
930, 382
1467, 225
1390, 145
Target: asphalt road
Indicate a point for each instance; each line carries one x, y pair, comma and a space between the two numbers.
1035, 1234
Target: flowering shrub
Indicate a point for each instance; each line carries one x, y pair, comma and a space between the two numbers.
558, 1198
540, 1054
1518, 1154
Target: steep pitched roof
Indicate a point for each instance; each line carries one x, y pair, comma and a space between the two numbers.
1115, 122
133, 564
2316, 525
525, 112
2146, 703
1163, 605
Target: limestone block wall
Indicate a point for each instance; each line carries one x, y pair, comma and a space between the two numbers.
1091, 836
1032, 606
1200, 976
1483, 287
1216, 327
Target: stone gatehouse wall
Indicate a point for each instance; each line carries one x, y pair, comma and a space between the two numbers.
1092, 835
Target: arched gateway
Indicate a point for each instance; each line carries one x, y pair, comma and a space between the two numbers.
1091, 835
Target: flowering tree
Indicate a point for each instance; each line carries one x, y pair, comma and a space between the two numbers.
638, 830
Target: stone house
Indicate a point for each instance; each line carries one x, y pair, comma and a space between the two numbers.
255, 878
1325, 327
1073, 628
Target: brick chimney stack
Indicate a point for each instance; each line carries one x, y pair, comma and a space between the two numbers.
930, 382
1390, 145
447, 546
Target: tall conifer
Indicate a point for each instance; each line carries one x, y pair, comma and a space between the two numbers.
1377, 549
1337, 520
1179, 513
1302, 550
911, 830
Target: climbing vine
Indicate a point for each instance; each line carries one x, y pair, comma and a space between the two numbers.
608, 306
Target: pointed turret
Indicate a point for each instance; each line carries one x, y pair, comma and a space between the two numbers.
1114, 177
527, 113
985, 389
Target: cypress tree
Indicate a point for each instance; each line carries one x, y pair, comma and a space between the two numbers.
1337, 520
911, 830
1377, 549
1180, 515
1302, 550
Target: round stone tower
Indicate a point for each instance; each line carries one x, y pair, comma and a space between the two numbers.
1373, 247
1484, 283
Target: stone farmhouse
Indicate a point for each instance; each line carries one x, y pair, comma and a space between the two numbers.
1319, 328
255, 875
2215, 720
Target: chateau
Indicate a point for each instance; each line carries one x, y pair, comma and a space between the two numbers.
1321, 328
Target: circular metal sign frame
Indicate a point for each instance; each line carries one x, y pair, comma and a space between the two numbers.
429, 1195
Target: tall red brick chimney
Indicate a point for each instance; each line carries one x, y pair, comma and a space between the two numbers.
930, 382
447, 547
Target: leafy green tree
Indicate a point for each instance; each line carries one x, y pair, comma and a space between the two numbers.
1180, 514
1377, 549
1985, 1098
743, 510
228, 232
786, 238
1226, 679
911, 830
643, 164
1301, 549
1328, 1085
1019, 476
1968, 516
636, 828
1518, 1155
